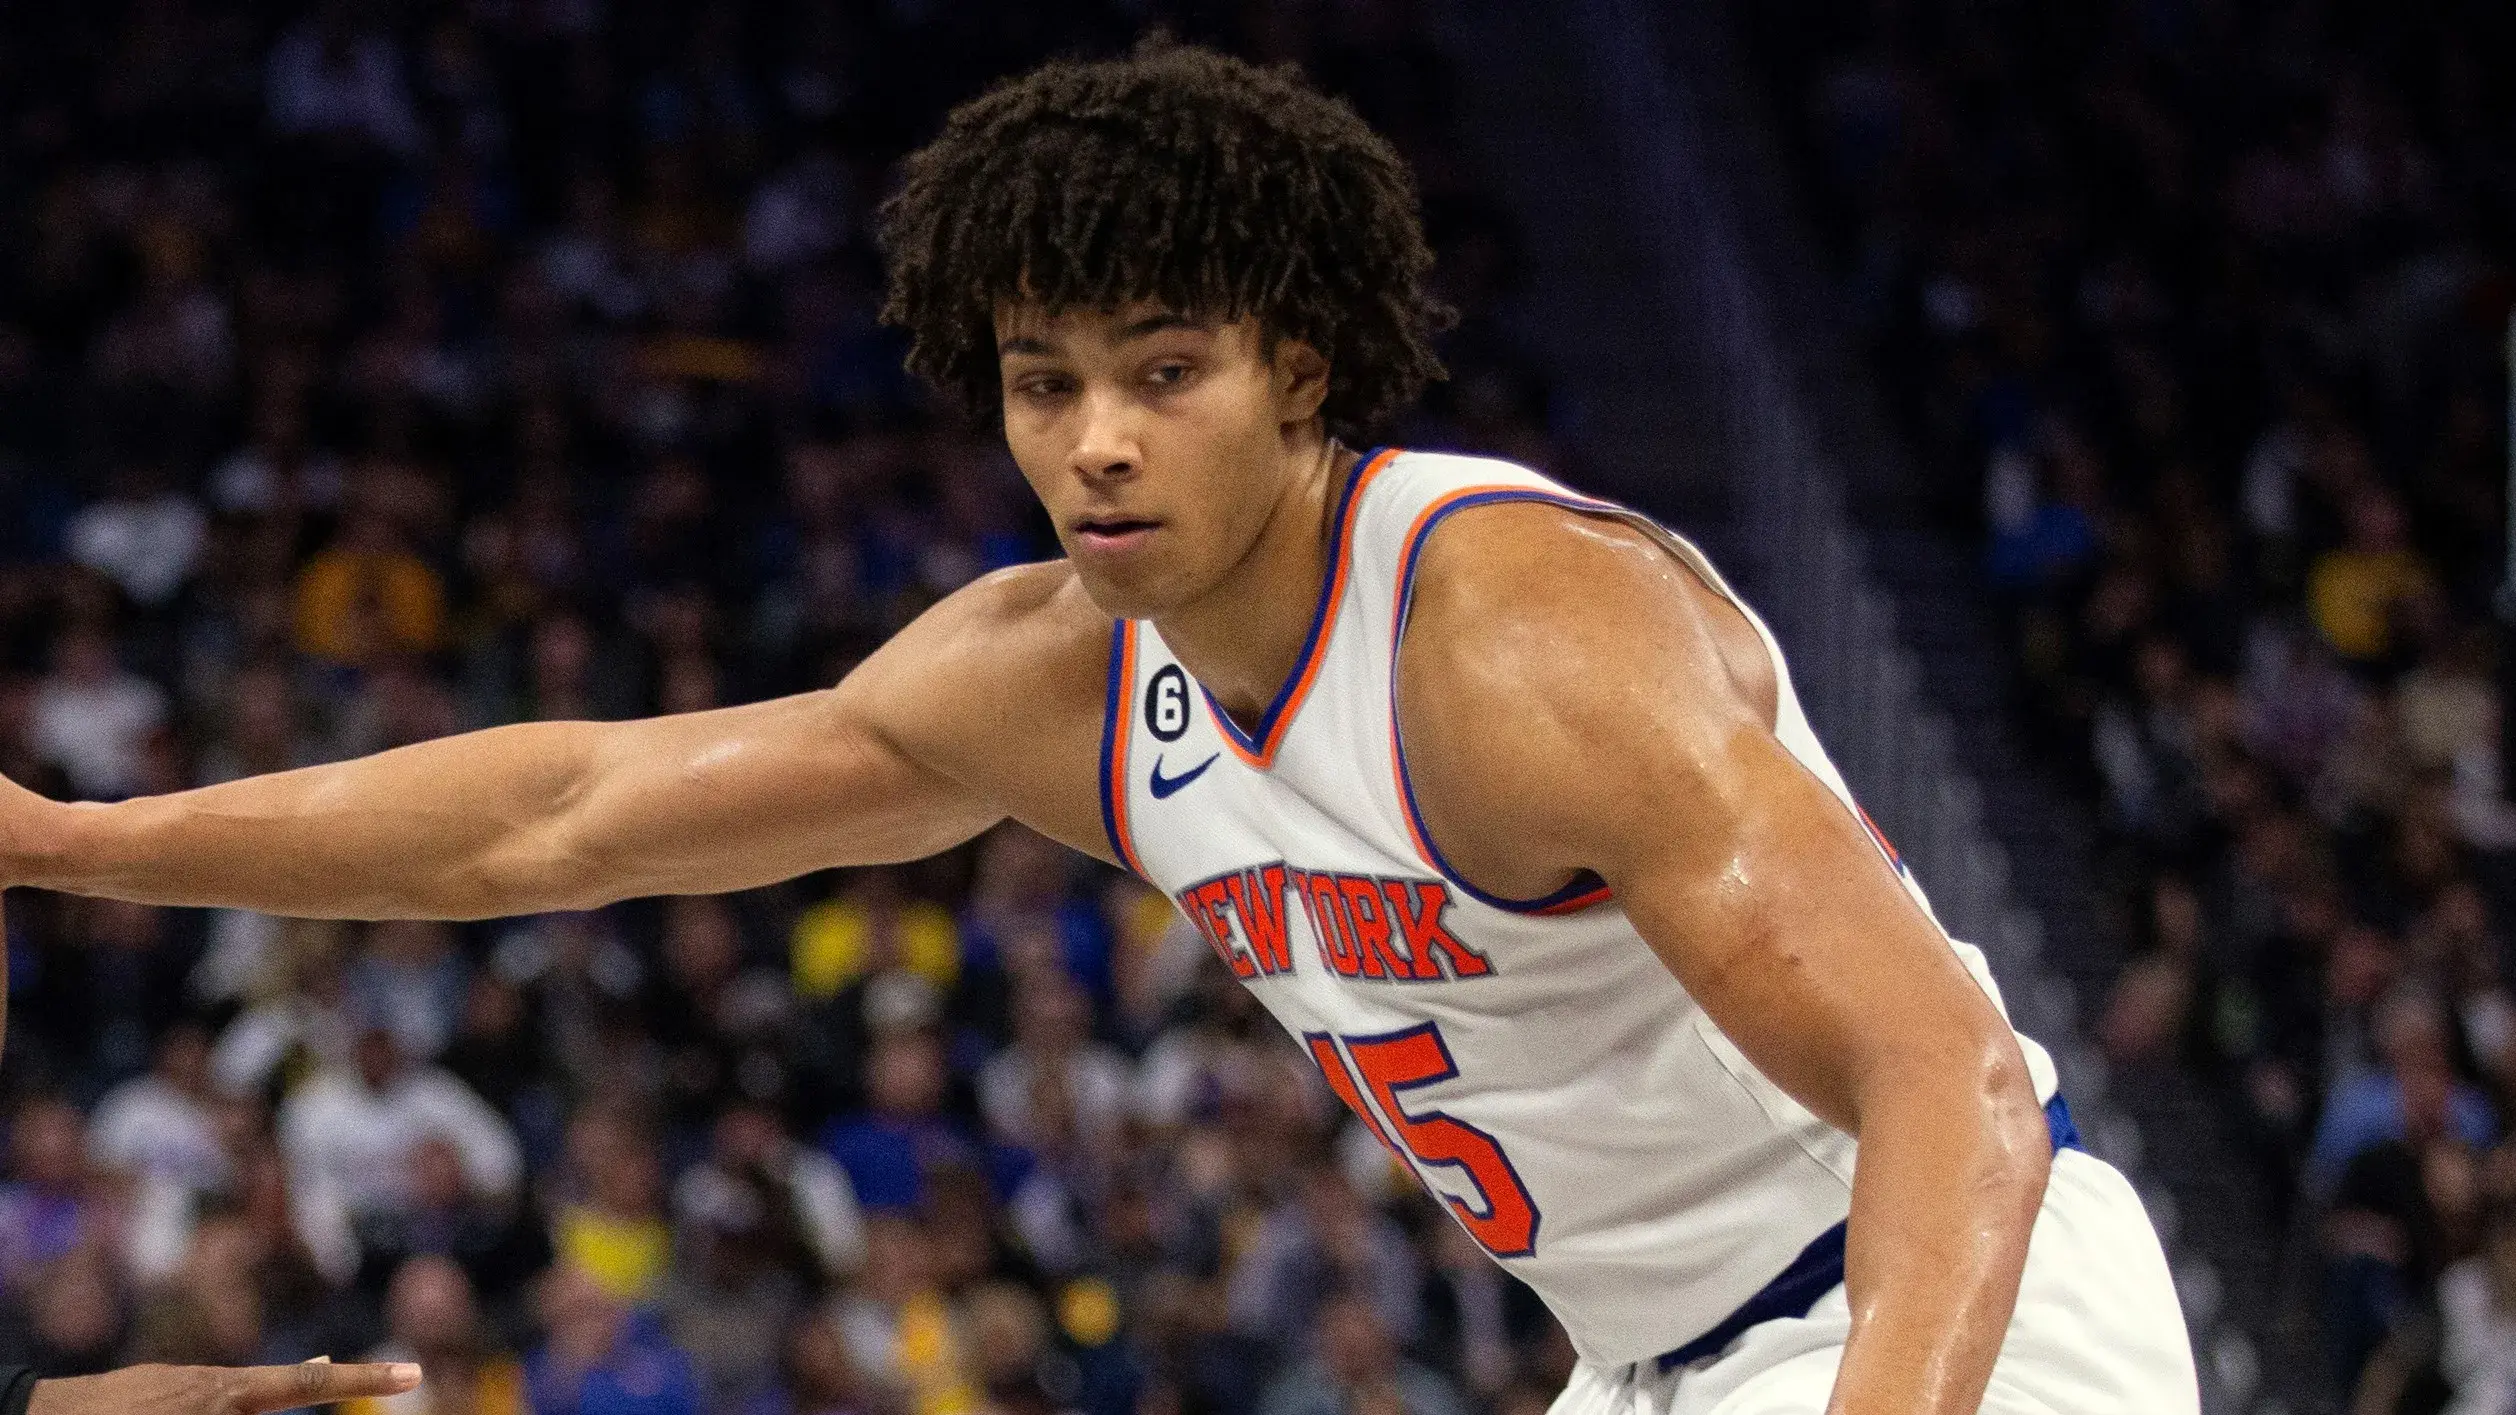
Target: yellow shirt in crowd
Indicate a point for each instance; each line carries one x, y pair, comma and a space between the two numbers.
626, 1256
2354, 595
833, 945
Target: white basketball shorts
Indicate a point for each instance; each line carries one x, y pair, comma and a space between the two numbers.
2098, 1330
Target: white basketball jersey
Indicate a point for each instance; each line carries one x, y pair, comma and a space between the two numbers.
1533, 1060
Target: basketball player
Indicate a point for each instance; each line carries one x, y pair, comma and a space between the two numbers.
1494, 793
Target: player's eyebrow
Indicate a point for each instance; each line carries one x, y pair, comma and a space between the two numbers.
1033, 344
1156, 323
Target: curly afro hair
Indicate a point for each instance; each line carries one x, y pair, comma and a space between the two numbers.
1179, 176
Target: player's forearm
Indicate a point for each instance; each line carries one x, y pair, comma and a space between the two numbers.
461, 827
1952, 1170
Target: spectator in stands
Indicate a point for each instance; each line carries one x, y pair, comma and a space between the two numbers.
2366, 592
128, 974
1022, 918
212, 1311
303, 1015
2376, 1106
817, 1375
1358, 1369
368, 595
146, 536
613, 1231
903, 1134
163, 1127
898, 1324
409, 975
869, 926
1322, 1240
2477, 1305
497, 1246
49, 1209
603, 1358
331, 79
93, 717
352, 1131
719, 1023
734, 1287
1053, 1046
757, 1180
430, 1318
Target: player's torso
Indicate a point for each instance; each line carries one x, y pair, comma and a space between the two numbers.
1544, 1073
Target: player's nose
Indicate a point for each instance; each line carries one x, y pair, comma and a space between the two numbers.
1106, 445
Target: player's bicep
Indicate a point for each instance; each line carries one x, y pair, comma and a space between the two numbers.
1584, 715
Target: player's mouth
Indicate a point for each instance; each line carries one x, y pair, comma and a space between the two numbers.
1114, 534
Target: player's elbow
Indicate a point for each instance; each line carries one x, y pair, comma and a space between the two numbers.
1970, 1088
1993, 1121
2013, 1118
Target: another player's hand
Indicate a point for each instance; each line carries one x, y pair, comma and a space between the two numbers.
218, 1390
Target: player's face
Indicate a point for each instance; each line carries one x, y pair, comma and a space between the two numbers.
1159, 445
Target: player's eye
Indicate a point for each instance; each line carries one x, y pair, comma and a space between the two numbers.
1170, 373
1041, 385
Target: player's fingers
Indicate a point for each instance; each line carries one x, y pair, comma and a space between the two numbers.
268, 1388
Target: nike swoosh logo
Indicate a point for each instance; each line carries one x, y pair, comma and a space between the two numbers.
1167, 786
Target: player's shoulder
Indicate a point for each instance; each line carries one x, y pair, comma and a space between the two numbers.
1546, 604
1033, 616
996, 683
1515, 549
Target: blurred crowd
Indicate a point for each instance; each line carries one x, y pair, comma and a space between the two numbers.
2195, 312
375, 371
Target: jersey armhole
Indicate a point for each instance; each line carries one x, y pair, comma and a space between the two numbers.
1585, 889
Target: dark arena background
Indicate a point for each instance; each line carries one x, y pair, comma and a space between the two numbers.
2105, 401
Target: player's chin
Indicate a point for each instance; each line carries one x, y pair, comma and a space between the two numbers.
1127, 586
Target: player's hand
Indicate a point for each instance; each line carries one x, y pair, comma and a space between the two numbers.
218, 1390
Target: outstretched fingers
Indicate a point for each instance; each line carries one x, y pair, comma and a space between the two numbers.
262, 1389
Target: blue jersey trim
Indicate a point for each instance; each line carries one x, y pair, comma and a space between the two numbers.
1114, 732
1258, 748
1584, 889
1819, 1268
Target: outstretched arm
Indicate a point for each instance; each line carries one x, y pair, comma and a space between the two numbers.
1573, 698
569, 815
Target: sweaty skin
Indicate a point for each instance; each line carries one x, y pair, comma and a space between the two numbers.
1184, 466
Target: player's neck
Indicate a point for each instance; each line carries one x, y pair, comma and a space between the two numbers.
1242, 639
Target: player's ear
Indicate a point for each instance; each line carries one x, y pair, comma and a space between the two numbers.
1301, 380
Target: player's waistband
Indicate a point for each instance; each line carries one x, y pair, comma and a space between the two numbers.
1817, 1271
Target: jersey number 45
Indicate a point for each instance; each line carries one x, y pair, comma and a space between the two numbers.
1504, 1219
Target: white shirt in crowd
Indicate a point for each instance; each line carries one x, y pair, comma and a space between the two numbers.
2478, 1352
93, 730
342, 1135
147, 547
148, 1127
825, 1205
